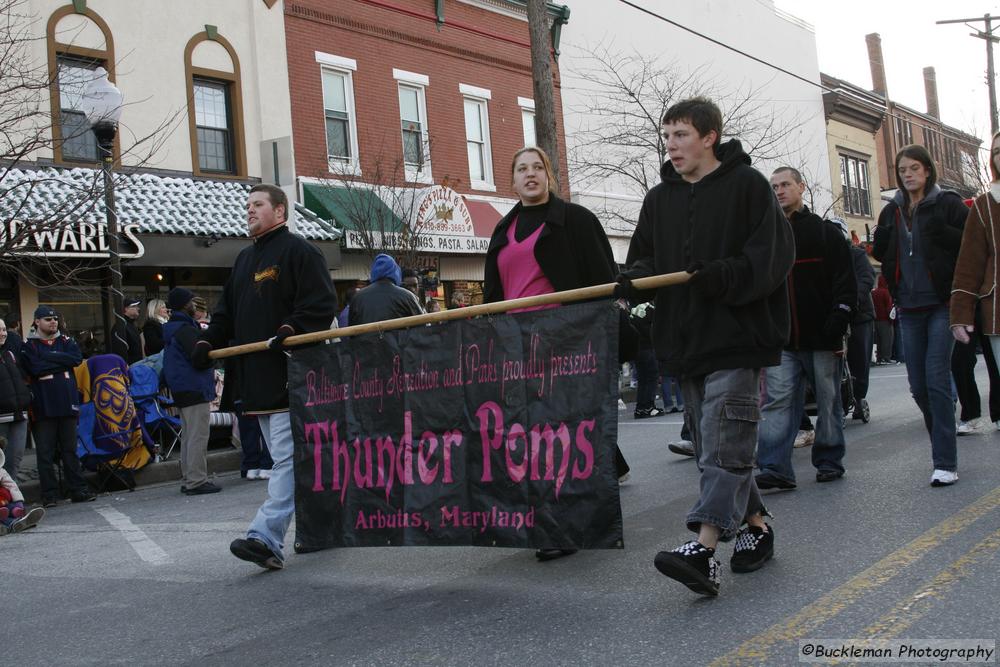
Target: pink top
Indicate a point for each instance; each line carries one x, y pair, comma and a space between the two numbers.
520, 273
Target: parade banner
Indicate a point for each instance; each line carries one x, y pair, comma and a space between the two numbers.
496, 431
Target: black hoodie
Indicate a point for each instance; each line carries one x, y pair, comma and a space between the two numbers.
731, 215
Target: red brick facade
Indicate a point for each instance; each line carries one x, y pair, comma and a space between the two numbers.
474, 46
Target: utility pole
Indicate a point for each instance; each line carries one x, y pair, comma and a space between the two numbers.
986, 35
541, 73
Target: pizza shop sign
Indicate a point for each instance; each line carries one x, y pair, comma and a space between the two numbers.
441, 210
78, 239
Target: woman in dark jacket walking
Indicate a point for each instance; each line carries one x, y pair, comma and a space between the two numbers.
917, 240
14, 400
546, 245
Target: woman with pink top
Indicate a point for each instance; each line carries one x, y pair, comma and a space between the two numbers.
546, 245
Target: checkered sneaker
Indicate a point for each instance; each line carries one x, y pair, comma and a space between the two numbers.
693, 565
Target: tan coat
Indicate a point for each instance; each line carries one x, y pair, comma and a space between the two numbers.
976, 270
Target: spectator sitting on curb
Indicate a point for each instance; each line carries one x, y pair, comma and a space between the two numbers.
13, 516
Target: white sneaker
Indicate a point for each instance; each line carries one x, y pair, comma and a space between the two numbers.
263, 474
943, 478
624, 478
253, 474
965, 428
997, 424
805, 439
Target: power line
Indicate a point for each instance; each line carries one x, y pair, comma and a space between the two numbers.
764, 62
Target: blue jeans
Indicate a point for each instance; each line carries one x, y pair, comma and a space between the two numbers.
666, 384
721, 408
927, 345
785, 404
273, 517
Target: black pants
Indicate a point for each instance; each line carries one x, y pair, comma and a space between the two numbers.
55, 439
963, 370
991, 368
859, 357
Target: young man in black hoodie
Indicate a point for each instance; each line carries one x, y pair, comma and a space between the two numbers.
823, 296
715, 217
279, 287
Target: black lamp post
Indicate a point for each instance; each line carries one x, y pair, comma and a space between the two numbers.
103, 105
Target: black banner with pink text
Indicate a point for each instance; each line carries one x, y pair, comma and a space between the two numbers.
497, 431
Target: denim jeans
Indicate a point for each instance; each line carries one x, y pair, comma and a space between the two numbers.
927, 345
255, 454
721, 408
273, 517
782, 413
17, 437
668, 386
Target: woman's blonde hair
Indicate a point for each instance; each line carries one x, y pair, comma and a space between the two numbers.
153, 310
545, 161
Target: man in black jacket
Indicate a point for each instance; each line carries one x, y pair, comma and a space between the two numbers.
126, 341
716, 217
383, 299
279, 287
823, 296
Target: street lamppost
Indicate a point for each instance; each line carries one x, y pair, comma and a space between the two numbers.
102, 102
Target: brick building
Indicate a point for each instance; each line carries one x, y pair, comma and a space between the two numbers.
405, 115
956, 153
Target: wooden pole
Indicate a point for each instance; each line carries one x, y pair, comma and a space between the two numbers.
584, 293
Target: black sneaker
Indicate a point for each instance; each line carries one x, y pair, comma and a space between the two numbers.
828, 475
692, 564
29, 520
82, 497
766, 480
256, 552
49, 502
753, 548
681, 447
551, 554
201, 489
645, 413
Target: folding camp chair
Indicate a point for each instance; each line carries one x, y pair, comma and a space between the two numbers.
163, 427
103, 454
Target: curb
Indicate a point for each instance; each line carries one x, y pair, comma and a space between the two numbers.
154, 473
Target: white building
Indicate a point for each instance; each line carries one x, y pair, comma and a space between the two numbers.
785, 108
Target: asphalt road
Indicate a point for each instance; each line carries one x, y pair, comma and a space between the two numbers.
146, 578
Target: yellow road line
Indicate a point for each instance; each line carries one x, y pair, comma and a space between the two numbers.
908, 611
801, 624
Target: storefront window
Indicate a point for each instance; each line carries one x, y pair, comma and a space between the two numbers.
79, 311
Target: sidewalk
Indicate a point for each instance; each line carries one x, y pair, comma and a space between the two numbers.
220, 459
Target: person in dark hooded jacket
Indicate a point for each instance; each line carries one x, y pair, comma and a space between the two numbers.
383, 299
15, 397
917, 240
193, 390
717, 218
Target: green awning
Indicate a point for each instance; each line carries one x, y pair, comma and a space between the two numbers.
348, 207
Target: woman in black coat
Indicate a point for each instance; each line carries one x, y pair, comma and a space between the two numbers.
552, 246
14, 400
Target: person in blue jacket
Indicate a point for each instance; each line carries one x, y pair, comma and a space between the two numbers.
48, 359
193, 391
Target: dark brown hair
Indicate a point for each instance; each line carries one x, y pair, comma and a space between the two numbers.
993, 168
921, 155
275, 195
701, 112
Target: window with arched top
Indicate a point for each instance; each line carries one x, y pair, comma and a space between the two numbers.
215, 106
79, 41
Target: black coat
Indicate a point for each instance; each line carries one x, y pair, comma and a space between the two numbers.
14, 394
940, 221
864, 274
382, 300
281, 280
572, 250
152, 334
125, 342
821, 281
730, 215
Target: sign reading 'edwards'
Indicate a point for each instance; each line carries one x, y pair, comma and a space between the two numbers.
80, 240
